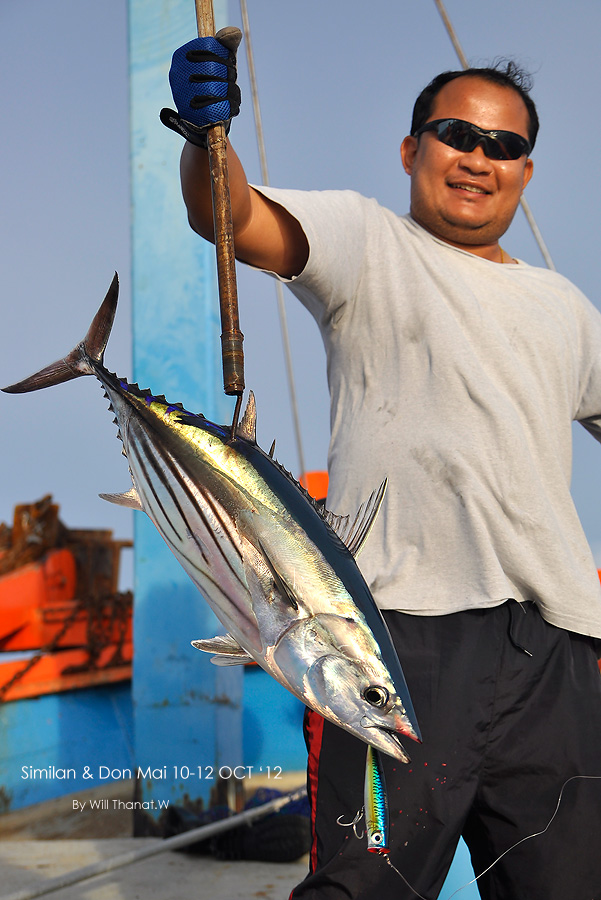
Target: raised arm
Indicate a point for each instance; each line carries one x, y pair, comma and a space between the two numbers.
265, 234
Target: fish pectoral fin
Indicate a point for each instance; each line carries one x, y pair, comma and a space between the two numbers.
128, 498
258, 577
279, 582
258, 564
227, 649
354, 532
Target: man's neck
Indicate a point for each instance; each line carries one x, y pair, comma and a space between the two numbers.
491, 251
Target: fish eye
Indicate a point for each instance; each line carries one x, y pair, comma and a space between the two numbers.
376, 695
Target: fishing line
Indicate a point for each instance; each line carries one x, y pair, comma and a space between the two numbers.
499, 858
529, 836
411, 888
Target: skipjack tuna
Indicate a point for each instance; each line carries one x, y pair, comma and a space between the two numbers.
277, 569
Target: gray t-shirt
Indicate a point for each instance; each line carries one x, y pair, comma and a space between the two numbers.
458, 379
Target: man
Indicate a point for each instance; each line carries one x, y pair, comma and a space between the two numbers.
455, 371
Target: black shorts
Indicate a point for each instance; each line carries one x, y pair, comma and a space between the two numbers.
503, 731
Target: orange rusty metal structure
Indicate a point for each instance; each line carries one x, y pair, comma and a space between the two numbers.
316, 483
63, 622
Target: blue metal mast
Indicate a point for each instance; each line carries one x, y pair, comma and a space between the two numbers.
187, 713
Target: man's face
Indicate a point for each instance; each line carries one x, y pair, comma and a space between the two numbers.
465, 198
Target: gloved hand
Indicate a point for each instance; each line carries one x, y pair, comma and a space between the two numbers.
203, 84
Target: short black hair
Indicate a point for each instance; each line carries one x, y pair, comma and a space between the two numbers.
504, 72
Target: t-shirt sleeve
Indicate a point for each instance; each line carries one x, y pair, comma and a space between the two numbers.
334, 223
589, 408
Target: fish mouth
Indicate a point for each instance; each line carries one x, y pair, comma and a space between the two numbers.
397, 750
394, 737
387, 740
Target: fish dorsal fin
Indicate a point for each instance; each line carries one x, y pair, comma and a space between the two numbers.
128, 498
227, 649
353, 532
248, 426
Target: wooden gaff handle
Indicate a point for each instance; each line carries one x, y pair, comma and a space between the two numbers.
231, 336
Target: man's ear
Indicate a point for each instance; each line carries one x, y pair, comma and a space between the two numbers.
528, 169
408, 152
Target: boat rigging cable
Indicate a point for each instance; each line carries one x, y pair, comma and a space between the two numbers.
265, 180
523, 202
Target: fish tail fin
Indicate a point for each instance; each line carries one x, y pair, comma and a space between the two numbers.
79, 361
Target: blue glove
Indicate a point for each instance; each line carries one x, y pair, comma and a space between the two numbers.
203, 84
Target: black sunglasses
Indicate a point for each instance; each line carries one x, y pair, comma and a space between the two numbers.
465, 137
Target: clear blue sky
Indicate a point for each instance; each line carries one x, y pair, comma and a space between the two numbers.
337, 81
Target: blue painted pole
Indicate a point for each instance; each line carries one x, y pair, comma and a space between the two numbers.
187, 713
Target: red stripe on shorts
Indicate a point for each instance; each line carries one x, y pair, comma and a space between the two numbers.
313, 735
